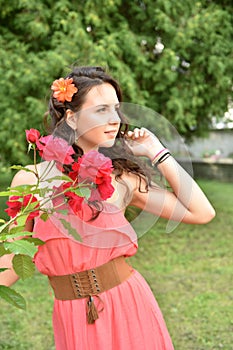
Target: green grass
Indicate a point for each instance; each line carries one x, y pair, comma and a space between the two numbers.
191, 273
31, 329
189, 270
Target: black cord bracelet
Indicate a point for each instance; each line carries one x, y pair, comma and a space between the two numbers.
163, 158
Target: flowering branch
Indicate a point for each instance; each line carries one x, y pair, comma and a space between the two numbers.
88, 181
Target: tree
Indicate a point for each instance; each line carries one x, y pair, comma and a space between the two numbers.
174, 57
189, 77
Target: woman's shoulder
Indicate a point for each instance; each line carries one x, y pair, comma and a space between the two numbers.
33, 173
26, 176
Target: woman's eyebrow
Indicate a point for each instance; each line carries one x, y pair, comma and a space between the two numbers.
108, 105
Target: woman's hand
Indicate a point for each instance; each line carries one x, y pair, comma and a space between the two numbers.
143, 142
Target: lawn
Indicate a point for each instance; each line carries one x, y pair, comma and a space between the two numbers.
189, 270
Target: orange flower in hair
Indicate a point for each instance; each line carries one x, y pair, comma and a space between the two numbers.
63, 89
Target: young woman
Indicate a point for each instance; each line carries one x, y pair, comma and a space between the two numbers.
100, 301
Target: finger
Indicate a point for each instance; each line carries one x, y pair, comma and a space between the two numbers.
136, 133
130, 134
141, 132
146, 131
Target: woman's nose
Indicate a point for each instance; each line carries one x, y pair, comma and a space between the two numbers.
114, 117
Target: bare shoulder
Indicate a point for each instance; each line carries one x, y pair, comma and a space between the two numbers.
25, 177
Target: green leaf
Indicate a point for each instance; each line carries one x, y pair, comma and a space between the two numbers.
44, 216
42, 191
59, 177
20, 167
23, 266
72, 231
35, 241
8, 193
3, 250
22, 189
12, 297
15, 235
21, 247
2, 221
30, 207
82, 192
62, 211
2, 269
16, 229
4, 227
21, 220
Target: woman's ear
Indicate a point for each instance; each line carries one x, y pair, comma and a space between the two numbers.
71, 119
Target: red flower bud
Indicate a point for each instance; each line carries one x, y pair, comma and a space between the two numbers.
32, 135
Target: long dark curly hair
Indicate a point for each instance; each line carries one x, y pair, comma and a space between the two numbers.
85, 78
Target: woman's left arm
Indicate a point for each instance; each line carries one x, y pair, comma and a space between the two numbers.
185, 202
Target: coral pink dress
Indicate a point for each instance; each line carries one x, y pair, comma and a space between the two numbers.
131, 318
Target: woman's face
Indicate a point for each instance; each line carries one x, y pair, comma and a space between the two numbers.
98, 122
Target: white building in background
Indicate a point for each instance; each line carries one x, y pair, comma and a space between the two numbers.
218, 146
219, 143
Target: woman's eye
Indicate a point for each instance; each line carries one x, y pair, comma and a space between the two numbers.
102, 110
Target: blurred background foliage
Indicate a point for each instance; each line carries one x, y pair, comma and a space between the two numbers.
173, 57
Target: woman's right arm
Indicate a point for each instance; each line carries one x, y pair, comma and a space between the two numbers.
9, 277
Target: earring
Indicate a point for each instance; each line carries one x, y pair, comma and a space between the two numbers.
75, 137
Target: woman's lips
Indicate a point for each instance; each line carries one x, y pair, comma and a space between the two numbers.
111, 132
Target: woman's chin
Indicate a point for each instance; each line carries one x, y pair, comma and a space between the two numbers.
107, 144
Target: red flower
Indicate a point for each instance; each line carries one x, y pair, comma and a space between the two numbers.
58, 198
18, 203
32, 135
59, 201
14, 206
106, 189
55, 148
102, 191
94, 167
29, 198
75, 202
75, 170
63, 89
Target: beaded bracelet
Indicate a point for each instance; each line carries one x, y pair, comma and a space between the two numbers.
159, 156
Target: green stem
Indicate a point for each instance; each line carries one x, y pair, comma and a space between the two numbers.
47, 170
34, 157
